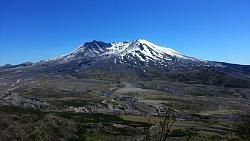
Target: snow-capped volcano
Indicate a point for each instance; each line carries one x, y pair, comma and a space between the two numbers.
139, 55
136, 49
137, 59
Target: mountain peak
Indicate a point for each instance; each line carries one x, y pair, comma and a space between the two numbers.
138, 49
141, 40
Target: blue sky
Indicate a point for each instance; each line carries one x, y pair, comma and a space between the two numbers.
32, 30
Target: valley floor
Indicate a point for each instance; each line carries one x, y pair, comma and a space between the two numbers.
94, 109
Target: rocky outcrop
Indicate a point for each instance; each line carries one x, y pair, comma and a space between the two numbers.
13, 99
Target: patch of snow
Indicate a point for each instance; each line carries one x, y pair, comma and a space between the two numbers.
18, 81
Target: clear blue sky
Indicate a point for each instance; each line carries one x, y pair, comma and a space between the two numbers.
32, 30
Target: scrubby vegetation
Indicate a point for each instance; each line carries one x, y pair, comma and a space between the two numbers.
243, 126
